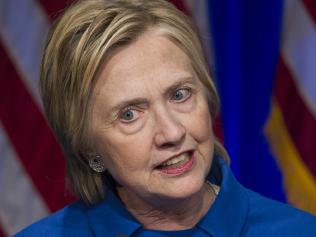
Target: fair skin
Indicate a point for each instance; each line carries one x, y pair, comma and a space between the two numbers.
149, 108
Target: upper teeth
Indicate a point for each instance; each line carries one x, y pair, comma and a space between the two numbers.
176, 159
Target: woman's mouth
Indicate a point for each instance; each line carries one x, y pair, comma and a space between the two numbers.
177, 165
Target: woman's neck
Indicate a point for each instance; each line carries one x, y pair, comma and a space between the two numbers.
176, 215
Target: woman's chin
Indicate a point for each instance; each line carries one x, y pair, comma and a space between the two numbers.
177, 193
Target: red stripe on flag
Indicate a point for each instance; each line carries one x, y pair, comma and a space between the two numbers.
1, 232
180, 4
31, 137
218, 129
311, 8
54, 7
299, 121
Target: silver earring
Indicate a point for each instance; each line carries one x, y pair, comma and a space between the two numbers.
96, 163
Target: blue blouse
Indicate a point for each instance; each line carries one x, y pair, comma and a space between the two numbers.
236, 211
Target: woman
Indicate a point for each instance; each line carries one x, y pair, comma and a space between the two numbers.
126, 90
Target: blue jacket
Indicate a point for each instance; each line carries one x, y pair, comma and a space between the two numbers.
236, 211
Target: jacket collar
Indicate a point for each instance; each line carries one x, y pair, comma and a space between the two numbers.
111, 218
229, 212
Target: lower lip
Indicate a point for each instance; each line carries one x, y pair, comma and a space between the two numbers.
182, 169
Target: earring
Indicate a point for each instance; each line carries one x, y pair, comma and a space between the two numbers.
96, 163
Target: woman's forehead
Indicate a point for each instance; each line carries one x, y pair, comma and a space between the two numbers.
151, 61
146, 54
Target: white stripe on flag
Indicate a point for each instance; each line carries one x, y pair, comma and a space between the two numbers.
23, 30
20, 203
299, 50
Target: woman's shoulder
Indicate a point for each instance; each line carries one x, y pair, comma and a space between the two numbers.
69, 221
267, 215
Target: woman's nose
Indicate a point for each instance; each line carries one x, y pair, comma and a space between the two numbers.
170, 132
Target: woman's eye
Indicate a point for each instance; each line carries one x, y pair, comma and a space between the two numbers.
128, 115
181, 94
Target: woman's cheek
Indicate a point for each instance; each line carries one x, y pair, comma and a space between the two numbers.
201, 122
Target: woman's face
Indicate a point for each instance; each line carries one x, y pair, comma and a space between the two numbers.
150, 121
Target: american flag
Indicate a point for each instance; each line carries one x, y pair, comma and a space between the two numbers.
31, 162
291, 127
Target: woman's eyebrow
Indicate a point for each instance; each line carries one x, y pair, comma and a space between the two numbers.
126, 103
187, 80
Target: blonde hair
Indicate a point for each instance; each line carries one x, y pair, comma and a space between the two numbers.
78, 44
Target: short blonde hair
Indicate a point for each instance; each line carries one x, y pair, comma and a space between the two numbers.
78, 44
